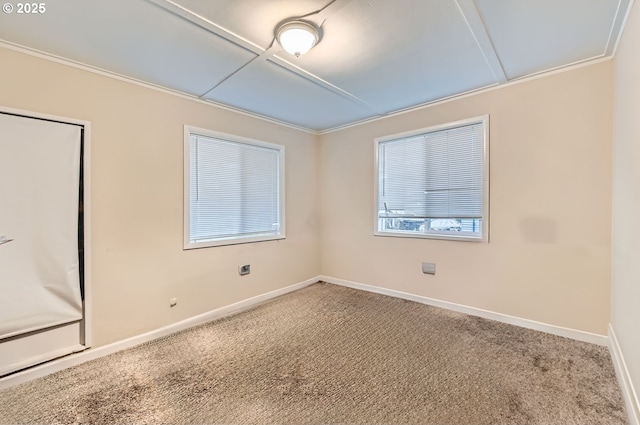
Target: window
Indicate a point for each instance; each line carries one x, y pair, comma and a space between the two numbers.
234, 189
433, 183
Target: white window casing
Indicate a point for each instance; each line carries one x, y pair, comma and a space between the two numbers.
434, 182
233, 189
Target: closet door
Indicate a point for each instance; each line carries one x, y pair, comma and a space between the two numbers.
41, 307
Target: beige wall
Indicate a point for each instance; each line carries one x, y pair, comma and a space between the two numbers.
137, 138
549, 253
625, 314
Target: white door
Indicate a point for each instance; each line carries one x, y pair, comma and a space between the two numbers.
41, 303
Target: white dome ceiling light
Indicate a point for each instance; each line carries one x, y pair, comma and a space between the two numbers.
297, 37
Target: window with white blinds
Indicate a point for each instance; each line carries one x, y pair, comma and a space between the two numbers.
434, 182
234, 189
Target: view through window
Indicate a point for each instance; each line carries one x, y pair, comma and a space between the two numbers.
434, 182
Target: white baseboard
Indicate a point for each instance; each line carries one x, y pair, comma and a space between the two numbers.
499, 317
32, 348
628, 391
94, 353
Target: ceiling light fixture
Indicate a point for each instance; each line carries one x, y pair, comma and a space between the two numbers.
297, 37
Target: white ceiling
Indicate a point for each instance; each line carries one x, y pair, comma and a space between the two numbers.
375, 57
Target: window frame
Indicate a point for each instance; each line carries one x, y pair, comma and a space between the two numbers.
443, 235
233, 240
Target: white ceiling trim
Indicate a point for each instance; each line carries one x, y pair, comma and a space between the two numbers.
619, 23
269, 53
260, 58
325, 84
130, 80
206, 24
479, 31
256, 55
474, 92
109, 74
561, 68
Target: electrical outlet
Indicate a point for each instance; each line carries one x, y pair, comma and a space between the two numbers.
173, 302
428, 268
244, 270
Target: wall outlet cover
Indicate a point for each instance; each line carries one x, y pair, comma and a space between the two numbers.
428, 268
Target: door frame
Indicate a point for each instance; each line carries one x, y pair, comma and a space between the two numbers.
48, 338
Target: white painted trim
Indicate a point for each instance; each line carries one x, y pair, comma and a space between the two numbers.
261, 53
473, 92
499, 317
87, 321
237, 140
436, 102
44, 357
94, 353
109, 74
208, 25
33, 114
87, 212
450, 236
480, 33
31, 349
624, 378
619, 23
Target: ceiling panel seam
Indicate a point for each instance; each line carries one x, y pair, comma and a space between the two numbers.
110, 74
617, 26
207, 25
265, 54
218, 45
479, 31
141, 83
260, 58
474, 92
325, 84
269, 55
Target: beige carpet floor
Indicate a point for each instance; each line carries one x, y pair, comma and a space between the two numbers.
328, 354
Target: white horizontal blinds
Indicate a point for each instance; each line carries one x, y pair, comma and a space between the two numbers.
234, 189
434, 175
402, 174
454, 173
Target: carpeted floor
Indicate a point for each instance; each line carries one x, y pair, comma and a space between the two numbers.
328, 354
